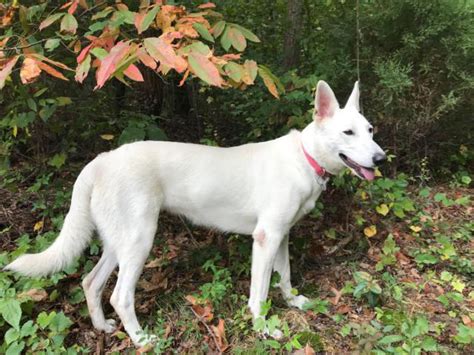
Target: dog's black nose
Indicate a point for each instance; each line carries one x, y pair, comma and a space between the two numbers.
379, 158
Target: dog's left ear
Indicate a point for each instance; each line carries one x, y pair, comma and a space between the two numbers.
353, 100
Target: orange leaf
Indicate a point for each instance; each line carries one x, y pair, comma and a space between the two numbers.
219, 332
133, 73
185, 76
51, 71
50, 61
29, 71
107, 65
164, 53
7, 69
207, 5
204, 69
146, 59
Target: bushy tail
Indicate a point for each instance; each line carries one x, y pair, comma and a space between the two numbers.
74, 237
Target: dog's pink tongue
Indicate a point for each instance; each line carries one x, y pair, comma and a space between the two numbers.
368, 174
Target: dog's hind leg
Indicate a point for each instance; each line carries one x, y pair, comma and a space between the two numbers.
132, 255
94, 284
282, 266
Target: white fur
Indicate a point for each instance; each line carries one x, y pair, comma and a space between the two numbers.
261, 189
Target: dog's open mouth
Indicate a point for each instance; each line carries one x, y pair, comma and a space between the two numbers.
361, 171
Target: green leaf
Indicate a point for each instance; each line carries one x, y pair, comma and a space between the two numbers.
218, 28
203, 32
247, 33
32, 104
100, 53
225, 40
131, 134
155, 133
60, 322
44, 319
51, 44
148, 19
426, 259
234, 71
204, 69
69, 24
58, 160
11, 335
429, 344
389, 339
15, 348
28, 329
11, 311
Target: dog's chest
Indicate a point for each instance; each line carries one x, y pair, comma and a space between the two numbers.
308, 203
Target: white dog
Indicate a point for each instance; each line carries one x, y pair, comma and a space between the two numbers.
261, 189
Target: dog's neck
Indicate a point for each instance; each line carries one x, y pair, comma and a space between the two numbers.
315, 144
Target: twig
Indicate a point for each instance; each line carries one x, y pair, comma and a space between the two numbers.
23, 47
188, 230
209, 330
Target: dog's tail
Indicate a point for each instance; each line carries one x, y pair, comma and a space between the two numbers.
73, 238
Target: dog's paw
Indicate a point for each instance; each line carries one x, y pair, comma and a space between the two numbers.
298, 301
108, 326
145, 340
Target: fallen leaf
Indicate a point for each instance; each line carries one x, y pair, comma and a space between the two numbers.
38, 226
35, 294
337, 296
107, 137
308, 350
219, 333
370, 231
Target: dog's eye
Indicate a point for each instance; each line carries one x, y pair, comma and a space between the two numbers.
349, 132
371, 130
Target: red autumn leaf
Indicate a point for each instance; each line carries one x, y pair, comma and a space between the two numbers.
207, 5
133, 73
72, 9
83, 69
163, 52
83, 53
183, 79
108, 64
204, 69
29, 71
6, 70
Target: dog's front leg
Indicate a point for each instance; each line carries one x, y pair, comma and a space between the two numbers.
264, 250
282, 266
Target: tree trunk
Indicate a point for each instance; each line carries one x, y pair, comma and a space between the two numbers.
291, 53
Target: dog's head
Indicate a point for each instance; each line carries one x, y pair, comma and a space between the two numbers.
345, 135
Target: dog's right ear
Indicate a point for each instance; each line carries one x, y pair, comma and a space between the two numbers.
325, 103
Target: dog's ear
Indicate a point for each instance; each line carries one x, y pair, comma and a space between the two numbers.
325, 102
353, 100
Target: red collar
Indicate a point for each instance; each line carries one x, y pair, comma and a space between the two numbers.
319, 170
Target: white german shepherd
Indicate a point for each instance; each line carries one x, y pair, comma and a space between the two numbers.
261, 189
